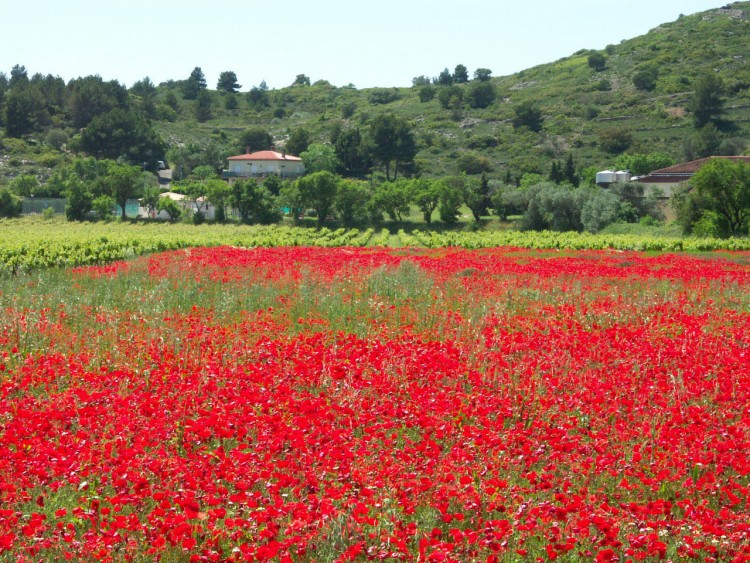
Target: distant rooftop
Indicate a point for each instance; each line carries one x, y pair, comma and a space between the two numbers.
684, 171
266, 155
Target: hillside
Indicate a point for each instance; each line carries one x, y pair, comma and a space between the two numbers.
583, 109
579, 104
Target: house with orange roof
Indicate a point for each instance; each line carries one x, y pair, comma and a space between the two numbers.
262, 164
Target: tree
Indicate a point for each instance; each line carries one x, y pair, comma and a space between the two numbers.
383, 96
451, 97
641, 164
90, 97
527, 115
600, 210
426, 93
645, 78
555, 173
203, 106
351, 202
254, 139
145, 93
10, 203
615, 140
301, 80
597, 61
289, 196
451, 199
24, 185
723, 188
569, 172
123, 134
24, 111
194, 84
228, 82
258, 95
707, 103
79, 198
123, 182
18, 74
393, 142
473, 163
298, 141
319, 157
230, 102
482, 74
171, 101
420, 81
481, 94
103, 206
3, 91
318, 191
425, 194
218, 193
394, 198
170, 207
460, 74
150, 197
445, 78
553, 207
254, 203
476, 193
352, 152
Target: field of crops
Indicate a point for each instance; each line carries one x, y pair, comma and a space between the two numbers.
31, 244
338, 404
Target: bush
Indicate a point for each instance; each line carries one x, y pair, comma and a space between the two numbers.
482, 142
10, 204
615, 141
48, 159
451, 97
426, 93
481, 94
103, 207
601, 209
382, 96
56, 138
645, 79
472, 163
597, 62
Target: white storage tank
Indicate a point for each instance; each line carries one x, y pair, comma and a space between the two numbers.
622, 176
605, 177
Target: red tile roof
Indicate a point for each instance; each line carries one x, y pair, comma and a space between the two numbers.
684, 171
694, 165
265, 155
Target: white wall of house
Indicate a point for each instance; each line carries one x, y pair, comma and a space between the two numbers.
666, 189
265, 167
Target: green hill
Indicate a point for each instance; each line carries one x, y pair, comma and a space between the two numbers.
582, 108
594, 112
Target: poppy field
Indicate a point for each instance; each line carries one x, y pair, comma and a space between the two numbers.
354, 404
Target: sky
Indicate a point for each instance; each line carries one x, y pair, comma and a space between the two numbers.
380, 43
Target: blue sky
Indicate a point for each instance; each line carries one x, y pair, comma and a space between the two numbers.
378, 43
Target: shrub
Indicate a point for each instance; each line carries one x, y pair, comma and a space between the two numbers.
597, 62
56, 138
615, 141
103, 206
10, 204
382, 96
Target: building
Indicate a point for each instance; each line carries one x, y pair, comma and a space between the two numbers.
262, 164
667, 179
185, 204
